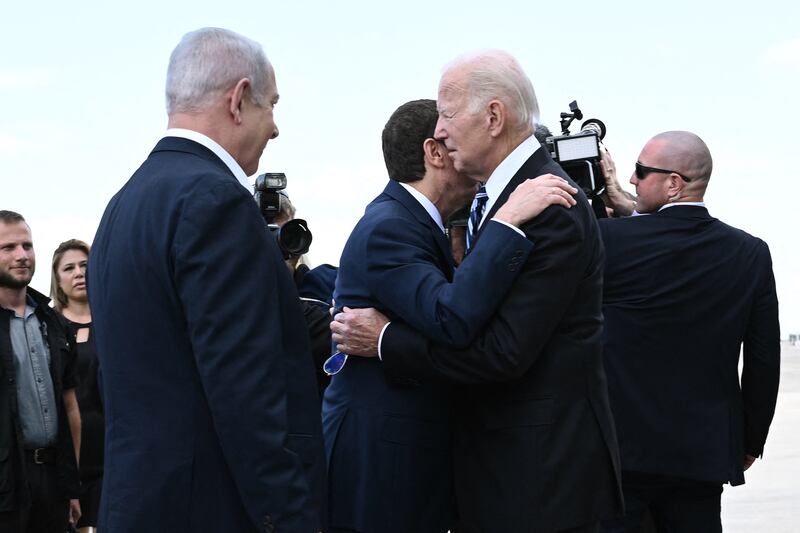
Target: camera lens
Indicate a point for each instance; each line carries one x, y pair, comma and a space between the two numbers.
295, 237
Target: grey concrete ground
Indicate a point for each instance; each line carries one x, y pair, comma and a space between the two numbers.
770, 500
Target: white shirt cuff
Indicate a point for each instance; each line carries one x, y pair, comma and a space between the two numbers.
380, 340
510, 226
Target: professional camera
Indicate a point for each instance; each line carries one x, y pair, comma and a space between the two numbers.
293, 237
579, 154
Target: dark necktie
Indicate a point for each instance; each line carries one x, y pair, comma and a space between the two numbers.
475, 216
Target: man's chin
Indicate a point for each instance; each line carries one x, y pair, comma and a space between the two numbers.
16, 283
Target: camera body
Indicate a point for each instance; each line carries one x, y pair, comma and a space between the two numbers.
266, 191
579, 154
293, 236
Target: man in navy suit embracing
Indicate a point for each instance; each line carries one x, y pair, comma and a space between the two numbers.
212, 418
389, 441
683, 293
533, 441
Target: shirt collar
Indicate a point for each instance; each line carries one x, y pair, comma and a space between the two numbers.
698, 204
218, 150
425, 203
675, 204
506, 170
30, 307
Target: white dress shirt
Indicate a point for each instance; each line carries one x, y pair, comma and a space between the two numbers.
502, 175
218, 150
425, 202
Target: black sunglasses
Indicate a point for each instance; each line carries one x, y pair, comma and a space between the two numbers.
642, 172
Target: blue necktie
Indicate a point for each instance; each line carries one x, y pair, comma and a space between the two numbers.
475, 216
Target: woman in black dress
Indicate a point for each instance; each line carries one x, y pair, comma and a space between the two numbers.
68, 291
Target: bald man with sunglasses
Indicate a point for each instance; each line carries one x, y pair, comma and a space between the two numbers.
683, 292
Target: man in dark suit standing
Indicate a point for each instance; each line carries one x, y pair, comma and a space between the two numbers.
534, 443
388, 441
683, 293
212, 421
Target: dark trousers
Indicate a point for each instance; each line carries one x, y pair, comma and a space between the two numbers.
594, 527
589, 528
48, 512
677, 505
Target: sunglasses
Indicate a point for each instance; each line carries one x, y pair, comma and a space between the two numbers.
642, 172
335, 363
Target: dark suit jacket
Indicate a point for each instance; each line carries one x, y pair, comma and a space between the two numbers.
388, 443
535, 449
212, 422
15, 470
683, 291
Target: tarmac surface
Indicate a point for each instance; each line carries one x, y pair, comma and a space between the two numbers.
769, 501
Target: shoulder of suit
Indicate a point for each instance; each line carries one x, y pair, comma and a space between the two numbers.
181, 171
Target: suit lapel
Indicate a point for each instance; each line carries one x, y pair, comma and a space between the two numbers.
398, 193
531, 168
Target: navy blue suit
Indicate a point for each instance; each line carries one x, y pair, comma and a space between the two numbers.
388, 443
212, 420
534, 443
683, 292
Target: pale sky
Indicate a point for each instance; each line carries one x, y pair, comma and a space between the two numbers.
82, 91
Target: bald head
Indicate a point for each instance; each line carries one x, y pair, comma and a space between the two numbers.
684, 152
685, 168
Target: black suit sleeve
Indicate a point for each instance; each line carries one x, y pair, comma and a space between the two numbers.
318, 323
521, 328
761, 369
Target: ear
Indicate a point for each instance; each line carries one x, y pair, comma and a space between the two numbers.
434, 153
496, 116
238, 94
675, 185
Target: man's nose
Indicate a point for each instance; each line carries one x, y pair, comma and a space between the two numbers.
439, 133
275, 133
634, 180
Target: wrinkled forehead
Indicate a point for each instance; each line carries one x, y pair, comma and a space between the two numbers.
454, 82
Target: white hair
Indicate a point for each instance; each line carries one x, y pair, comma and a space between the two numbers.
209, 61
495, 74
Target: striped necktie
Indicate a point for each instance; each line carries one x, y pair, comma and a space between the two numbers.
475, 216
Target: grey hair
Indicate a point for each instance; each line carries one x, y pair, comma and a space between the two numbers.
495, 74
209, 61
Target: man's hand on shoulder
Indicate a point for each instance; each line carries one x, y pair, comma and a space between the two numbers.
357, 331
533, 196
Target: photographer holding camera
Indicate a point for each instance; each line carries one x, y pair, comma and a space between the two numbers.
315, 286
